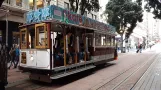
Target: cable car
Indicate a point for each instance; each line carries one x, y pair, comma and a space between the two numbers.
52, 49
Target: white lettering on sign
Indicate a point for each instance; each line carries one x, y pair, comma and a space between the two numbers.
57, 13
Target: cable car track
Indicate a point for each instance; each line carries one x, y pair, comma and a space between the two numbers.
115, 86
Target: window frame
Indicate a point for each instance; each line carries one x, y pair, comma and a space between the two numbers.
66, 4
37, 36
97, 39
31, 5
85, 13
25, 32
92, 15
7, 1
19, 4
95, 17
39, 6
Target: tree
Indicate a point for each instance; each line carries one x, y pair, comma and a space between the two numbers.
122, 13
89, 5
155, 7
1, 1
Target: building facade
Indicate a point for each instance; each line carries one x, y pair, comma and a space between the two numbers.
12, 14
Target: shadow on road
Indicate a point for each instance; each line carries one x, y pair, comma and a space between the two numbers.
59, 82
102, 66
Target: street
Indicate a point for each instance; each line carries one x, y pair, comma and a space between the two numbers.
121, 74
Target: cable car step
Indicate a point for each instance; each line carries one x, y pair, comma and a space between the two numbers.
70, 72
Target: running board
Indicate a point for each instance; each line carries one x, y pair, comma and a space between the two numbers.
70, 72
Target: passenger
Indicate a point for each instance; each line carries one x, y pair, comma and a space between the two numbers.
140, 47
70, 52
81, 53
60, 55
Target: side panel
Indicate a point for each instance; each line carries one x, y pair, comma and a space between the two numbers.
31, 58
27, 58
43, 59
35, 58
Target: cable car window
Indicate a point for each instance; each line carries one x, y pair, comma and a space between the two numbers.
102, 40
111, 41
98, 39
90, 39
31, 37
23, 37
41, 36
108, 40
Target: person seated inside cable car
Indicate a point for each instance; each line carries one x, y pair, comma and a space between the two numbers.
70, 54
59, 50
81, 53
59, 56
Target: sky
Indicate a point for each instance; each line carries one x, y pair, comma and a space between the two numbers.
102, 5
151, 21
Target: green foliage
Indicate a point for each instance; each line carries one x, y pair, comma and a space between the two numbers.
123, 12
89, 5
155, 7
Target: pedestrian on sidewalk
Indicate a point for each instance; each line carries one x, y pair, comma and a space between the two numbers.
17, 51
150, 46
12, 55
140, 48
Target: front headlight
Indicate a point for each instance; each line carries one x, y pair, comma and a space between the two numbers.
31, 58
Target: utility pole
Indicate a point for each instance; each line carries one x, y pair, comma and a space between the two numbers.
7, 11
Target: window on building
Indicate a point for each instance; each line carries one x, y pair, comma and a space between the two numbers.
66, 5
92, 16
40, 4
95, 10
19, 3
95, 17
31, 4
85, 13
7, 1
48, 2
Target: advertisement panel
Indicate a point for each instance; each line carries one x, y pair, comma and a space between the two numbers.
63, 15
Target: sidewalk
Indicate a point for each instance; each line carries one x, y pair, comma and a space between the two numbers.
15, 75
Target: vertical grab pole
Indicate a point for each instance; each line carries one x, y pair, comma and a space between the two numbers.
85, 46
77, 48
64, 35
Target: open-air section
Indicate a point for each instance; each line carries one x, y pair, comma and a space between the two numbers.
136, 71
